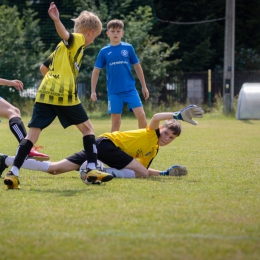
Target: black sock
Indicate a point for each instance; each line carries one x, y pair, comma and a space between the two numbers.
22, 152
89, 143
17, 127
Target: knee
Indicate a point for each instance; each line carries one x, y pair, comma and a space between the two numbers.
14, 112
17, 111
86, 128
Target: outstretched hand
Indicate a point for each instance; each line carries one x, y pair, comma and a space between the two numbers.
17, 84
188, 113
191, 111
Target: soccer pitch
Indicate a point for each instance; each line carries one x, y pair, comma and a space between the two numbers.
212, 213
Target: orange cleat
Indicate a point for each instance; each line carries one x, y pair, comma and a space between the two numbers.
34, 154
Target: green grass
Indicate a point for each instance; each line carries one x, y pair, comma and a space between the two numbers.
212, 213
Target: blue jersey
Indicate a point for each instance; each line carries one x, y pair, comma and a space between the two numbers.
118, 61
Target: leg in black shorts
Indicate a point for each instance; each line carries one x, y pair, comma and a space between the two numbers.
108, 153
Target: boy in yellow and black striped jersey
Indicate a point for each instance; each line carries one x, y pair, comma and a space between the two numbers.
57, 95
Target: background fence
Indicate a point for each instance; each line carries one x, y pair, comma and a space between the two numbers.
182, 87
185, 86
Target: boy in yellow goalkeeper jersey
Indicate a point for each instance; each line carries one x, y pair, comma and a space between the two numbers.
128, 154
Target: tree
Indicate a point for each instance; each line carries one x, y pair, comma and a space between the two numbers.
36, 38
21, 49
153, 53
201, 45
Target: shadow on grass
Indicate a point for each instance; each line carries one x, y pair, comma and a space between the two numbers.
170, 179
248, 122
67, 192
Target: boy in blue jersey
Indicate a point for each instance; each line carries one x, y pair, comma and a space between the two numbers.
118, 57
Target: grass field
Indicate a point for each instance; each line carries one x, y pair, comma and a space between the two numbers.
212, 213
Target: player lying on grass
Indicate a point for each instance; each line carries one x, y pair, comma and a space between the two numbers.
131, 152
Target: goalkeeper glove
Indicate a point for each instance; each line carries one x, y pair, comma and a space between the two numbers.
175, 170
188, 113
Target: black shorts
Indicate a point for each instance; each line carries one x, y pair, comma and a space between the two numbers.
44, 114
108, 153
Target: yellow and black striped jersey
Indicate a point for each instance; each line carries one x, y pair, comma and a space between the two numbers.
141, 144
59, 87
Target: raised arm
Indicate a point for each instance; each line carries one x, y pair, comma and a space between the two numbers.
140, 74
185, 114
155, 121
55, 16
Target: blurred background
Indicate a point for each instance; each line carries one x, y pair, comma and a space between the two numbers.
177, 42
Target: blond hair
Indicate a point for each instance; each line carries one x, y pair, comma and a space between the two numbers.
115, 24
87, 21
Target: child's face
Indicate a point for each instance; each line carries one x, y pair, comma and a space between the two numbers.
90, 36
115, 35
166, 137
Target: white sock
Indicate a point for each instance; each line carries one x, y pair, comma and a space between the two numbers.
30, 164
15, 171
91, 166
123, 173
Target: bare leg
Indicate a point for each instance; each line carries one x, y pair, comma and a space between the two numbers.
116, 122
140, 115
33, 134
7, 110
153, 172
138, 168
62, 166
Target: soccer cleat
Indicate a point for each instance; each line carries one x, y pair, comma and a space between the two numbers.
37, 155
175, 170
11, 181
3, 166
94, 176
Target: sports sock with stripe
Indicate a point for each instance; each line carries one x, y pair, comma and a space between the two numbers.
17, 127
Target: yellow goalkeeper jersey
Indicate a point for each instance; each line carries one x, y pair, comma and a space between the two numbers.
141, 144
59, 87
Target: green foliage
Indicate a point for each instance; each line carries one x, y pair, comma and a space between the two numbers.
190, 37
212, 213
200, 58
201, 45
153, 53
247, 59
21, 49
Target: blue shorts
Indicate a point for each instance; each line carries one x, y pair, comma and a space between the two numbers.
44, 114
116, 101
